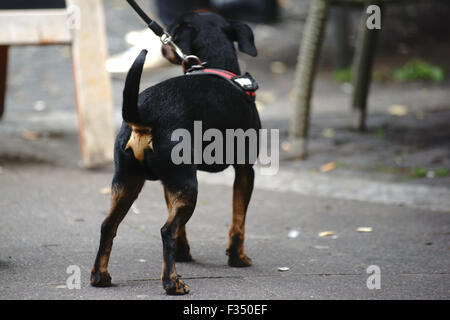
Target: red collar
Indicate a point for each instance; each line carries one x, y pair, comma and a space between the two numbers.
230, 76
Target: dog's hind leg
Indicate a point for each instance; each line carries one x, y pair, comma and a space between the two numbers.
124, 191
182, 249
242, 191
181, 204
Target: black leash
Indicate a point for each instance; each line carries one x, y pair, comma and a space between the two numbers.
162, 34
153, 25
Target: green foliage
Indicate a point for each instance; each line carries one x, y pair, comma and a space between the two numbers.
417, 69
409, 173
442, 172
413, 70
341, 164
342, 75
419, 172
380, 133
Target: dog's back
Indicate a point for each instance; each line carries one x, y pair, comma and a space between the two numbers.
144, 144
180, 102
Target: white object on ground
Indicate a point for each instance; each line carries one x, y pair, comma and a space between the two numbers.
294, 233
122, 62
283, 269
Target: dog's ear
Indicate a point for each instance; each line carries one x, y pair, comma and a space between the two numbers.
243, 35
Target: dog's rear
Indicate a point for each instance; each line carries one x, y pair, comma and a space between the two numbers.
143, 145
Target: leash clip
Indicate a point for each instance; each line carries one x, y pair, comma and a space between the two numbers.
166, 38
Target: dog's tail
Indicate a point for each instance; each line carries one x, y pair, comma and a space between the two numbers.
130, 112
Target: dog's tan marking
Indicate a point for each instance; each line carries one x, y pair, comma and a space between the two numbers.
140, 140
242, 190
182, 249
122, 197
180, 205
117, 193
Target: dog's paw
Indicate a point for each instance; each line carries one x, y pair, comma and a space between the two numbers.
176, 287
238, 261
100, 279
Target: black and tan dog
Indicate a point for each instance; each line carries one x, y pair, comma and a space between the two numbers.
143, 145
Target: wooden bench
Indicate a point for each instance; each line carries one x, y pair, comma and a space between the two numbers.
80, 25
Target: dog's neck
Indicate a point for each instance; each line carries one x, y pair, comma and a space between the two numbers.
219, 57
231, 65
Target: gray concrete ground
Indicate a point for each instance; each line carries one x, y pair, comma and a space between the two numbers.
392, 179
51, 218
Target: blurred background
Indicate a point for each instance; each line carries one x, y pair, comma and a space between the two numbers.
407, 136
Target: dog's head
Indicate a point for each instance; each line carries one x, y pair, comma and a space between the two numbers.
211, 38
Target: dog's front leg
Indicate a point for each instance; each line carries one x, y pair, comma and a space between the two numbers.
242, 192
124, 191
181, 205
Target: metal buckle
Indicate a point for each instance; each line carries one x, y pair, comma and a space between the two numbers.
190, 57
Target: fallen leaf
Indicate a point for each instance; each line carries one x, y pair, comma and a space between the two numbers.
278, 67
326, 233
266, 97
105, 190
364, 229
328, 133
328, 167
283, 269
286, 146
30, 135
398, 110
